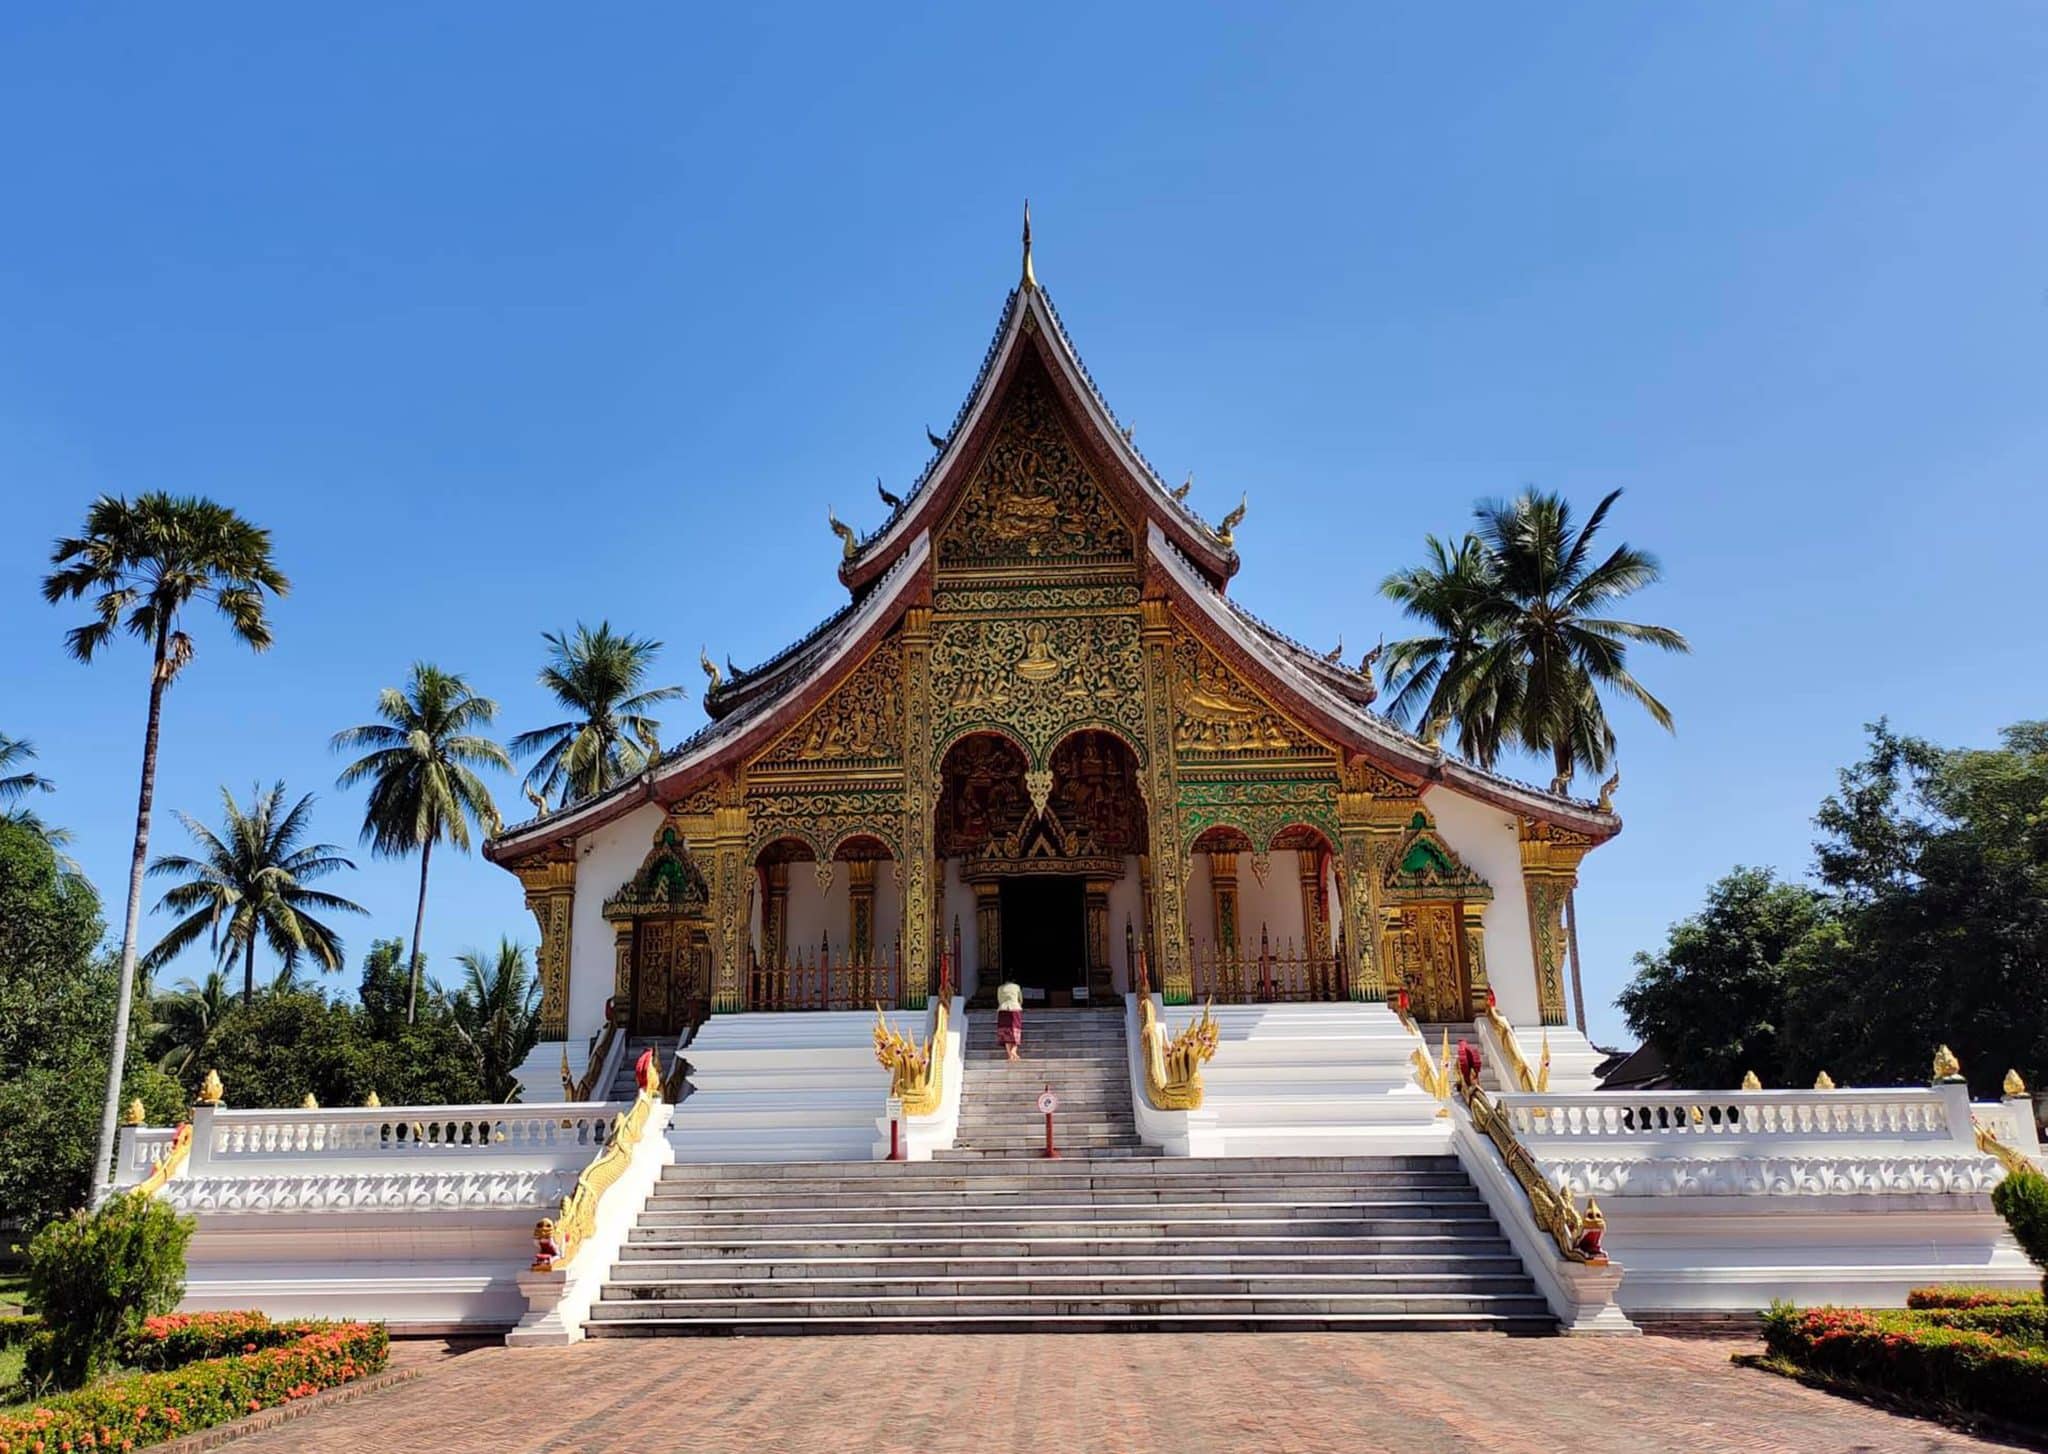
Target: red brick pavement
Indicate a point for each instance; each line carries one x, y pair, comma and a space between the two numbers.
1192, 1394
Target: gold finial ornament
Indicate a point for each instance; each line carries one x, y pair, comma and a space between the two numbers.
710, 671
309, 1104
849, 544
1750, 1082
211, 1090
1823, 1082
371, 1102
1946, 1066
136, 1113
1181, 491
1227, 531
1606, 803
2014, 1087
1336, 653
1030, 278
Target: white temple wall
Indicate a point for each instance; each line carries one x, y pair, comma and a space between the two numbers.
1126, 906
960, 906
605, 859
1490, 842
1276, 903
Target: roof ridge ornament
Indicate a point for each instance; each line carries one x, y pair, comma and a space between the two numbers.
1181, 492
710, 668
849, 543
1226, 533
1030, 278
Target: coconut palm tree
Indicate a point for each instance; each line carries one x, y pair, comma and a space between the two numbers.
185, 1017
598, 676
251, 882
16, 752
498, 1012
421, 765
1522, 648
143, 563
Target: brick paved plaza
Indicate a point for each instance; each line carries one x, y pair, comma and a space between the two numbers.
1195, 1394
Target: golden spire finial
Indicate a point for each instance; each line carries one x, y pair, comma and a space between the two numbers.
1823, 1082
1750, 1082
210, 1089
2014, 1086
309, 1103
1946, 1066
136, 1113
1030, 279
371, 1102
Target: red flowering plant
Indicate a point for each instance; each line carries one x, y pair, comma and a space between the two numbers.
145, 1408
1982, 1360
1972, 1297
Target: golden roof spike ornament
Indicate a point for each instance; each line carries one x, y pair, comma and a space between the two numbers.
1823, 1082
1750, 1082
1226, 533
2014, 1087
710, 670
1181, 491
1946, 1066
849, 544
211, 1090
894, 502
1606, 803
1030, 278
1336, 653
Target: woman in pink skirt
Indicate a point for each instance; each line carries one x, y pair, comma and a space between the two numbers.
1009, 1018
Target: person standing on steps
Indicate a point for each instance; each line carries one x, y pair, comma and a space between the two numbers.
1009, 1018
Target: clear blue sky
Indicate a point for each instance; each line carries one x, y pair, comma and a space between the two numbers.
502, 316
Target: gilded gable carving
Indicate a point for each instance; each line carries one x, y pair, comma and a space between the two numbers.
1038, 677
1426, 867
1216, 713
1032, 499
861, 722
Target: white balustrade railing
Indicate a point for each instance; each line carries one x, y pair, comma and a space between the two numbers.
139, 1151
480, 1131
1911, 1114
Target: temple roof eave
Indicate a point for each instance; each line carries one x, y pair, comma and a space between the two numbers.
1026, 313
825, 656
1348, 720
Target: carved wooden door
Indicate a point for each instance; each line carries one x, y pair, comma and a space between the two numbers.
663, 974
1430, 956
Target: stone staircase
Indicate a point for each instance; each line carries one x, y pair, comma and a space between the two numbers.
1081, 1244
1080, 1054
623, 1087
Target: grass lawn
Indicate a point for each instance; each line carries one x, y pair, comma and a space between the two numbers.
11, 1292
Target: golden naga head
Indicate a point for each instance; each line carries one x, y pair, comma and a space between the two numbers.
849, 543
710, 667
1226, 532
211, 1090
1946, 1066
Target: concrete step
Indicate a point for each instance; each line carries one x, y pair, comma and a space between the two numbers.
1022, 1304
1421, 1268
1369, 1217
1091, 1242
1053, 1194
1069, 1285
1096, 1321
1234, 1167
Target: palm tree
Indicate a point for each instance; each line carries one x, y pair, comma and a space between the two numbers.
14, 786
1428, 674
1523, 648
498, 1012
186, 1017
252, 883
143, 563
598, 676
420, 764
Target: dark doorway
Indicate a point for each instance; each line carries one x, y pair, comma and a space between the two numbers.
1045, 934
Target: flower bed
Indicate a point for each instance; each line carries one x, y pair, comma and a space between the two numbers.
129, 1411
1971, 1297
1982, 1360
176, 1339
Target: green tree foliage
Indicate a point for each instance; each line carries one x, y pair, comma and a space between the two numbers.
143, 564
600, 678
253, 880
181, 1020
1932, 928
17, 781
56, 1016
1520, 646
498, 1011
1712, 998
2022, 1199
420, 763
96, 1275
283, 1047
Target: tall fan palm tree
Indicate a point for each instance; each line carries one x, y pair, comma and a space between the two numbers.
598, 676
251, 882
185, 1017
1535, 647
498, 1011
16, 752
421, 763
143, 563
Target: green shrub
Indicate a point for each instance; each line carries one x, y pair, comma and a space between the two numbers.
146, 1408
176, 1339
95, 1275
18, 1328
1918, 1355
1971, 1297
2022, 1199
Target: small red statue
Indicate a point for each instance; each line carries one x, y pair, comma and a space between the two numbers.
1469, 1064
547, 1248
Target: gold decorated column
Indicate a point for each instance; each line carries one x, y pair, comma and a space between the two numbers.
1162, 805
550, 884
919, 806
1550, 871
727, 850
1372, 806
988, 938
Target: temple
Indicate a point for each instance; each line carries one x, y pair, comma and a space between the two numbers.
1042, 741
1295, 987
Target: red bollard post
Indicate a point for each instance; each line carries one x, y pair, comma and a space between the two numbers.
1048, 1103
895, 1138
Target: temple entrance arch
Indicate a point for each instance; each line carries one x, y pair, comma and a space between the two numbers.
1434, 934
661, 930
1261, 917
1046, 856
827, 927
